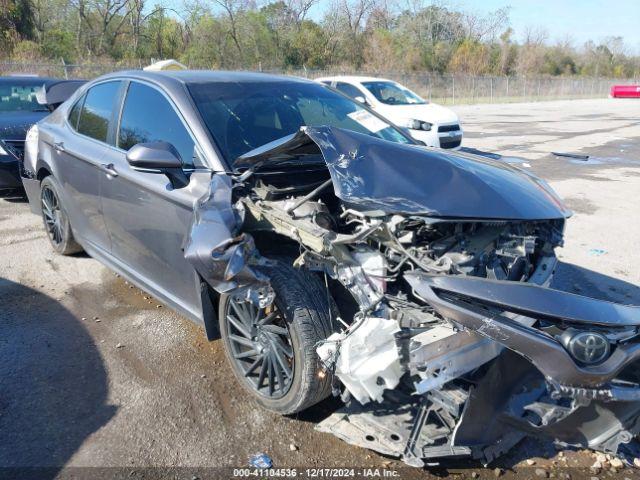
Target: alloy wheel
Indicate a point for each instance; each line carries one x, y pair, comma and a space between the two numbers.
53, 215
260, 346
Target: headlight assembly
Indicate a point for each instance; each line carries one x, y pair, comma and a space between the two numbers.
418, 125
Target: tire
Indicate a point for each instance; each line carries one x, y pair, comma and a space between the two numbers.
55, 218
301, 306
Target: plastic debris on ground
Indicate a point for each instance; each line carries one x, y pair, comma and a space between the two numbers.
261, 460
577, 156
597, 252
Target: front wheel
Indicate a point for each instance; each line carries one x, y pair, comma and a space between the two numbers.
55, 218
272, 351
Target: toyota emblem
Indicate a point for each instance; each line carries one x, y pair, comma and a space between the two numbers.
589, 347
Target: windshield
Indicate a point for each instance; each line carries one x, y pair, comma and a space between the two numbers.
392, 93
20, 95
247, 115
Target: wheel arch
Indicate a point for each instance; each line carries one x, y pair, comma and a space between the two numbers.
43, 169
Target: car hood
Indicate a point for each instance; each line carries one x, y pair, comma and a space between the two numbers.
428, 112
371, 174
14, 125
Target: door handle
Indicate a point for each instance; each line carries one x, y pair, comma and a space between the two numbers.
109, 169
59, 146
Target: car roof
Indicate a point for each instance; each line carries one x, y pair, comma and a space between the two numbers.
353, 79
29, 79
173, 77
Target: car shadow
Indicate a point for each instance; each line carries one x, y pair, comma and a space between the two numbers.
53, 384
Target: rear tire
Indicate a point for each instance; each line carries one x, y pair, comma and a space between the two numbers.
55, 218
302, 308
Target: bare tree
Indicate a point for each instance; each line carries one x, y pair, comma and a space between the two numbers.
356, 12
137, 20
299, 9
104, 18
531, 53
485, 28
233, 9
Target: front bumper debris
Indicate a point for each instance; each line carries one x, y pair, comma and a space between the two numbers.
483, 305
496, 372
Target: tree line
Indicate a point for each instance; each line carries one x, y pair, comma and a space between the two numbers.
371, 35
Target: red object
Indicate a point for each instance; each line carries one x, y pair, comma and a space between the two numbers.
625, 91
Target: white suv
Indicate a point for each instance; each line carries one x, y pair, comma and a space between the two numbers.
432, 124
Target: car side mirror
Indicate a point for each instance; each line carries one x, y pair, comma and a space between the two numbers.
361, 99
158, 157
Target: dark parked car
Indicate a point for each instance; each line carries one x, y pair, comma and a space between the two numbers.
20, 108
332, 253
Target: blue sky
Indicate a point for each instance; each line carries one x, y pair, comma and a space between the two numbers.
580, 19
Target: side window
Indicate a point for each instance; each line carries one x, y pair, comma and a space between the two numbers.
97, 109
148, 116
74, 114
349, 89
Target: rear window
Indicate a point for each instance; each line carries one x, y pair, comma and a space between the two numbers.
97, 110
349, 90
20, 95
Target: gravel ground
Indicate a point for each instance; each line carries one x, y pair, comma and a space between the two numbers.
95, 373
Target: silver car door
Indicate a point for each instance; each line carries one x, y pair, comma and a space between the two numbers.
147, 219
78, 149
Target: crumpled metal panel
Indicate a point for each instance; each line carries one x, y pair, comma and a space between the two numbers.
226, 258
547, 354
498, 414
374, 174
540, 302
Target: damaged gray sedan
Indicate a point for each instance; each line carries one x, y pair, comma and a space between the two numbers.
334, 255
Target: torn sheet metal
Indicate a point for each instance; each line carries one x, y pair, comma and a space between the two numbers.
456, 408
539, 302
374, 174
408, 427
544, 351
365, 358
226, 258
441, 354
511, 402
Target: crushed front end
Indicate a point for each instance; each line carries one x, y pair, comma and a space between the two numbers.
448, 341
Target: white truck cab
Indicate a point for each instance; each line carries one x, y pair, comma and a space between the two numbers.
432, 124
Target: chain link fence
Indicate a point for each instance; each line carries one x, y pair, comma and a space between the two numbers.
468, 89
65, 70
440, 88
